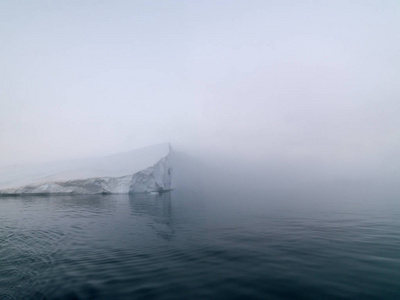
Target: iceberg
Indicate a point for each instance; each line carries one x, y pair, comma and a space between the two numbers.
141, 171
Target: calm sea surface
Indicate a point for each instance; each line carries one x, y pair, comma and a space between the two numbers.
183, 245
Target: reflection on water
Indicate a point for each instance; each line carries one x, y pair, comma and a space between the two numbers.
158, 208
75, 246
188, 245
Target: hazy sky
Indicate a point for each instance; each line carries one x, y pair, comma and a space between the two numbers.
258, 80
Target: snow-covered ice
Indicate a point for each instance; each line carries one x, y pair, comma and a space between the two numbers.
140, 171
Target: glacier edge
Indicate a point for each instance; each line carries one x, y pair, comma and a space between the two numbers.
156, 178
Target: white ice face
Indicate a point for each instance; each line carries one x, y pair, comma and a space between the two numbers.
144, 170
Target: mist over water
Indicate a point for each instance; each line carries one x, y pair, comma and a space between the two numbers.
264, 95
308, 177
283, 117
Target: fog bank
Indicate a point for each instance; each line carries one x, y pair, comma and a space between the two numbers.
306, 89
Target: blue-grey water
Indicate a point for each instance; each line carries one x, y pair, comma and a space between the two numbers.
183, 245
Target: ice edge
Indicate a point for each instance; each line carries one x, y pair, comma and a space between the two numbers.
157, 178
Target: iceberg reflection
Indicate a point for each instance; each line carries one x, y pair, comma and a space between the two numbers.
158, 208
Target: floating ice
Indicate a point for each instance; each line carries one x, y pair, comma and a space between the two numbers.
150, 171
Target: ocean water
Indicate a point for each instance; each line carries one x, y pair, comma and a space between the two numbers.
214, 245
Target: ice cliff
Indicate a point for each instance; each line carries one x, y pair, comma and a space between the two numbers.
154, 178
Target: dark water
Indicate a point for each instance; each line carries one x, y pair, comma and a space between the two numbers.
195, 246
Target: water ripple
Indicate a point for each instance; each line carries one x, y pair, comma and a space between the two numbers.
169, 247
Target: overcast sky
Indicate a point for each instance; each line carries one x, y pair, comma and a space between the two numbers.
258, 80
